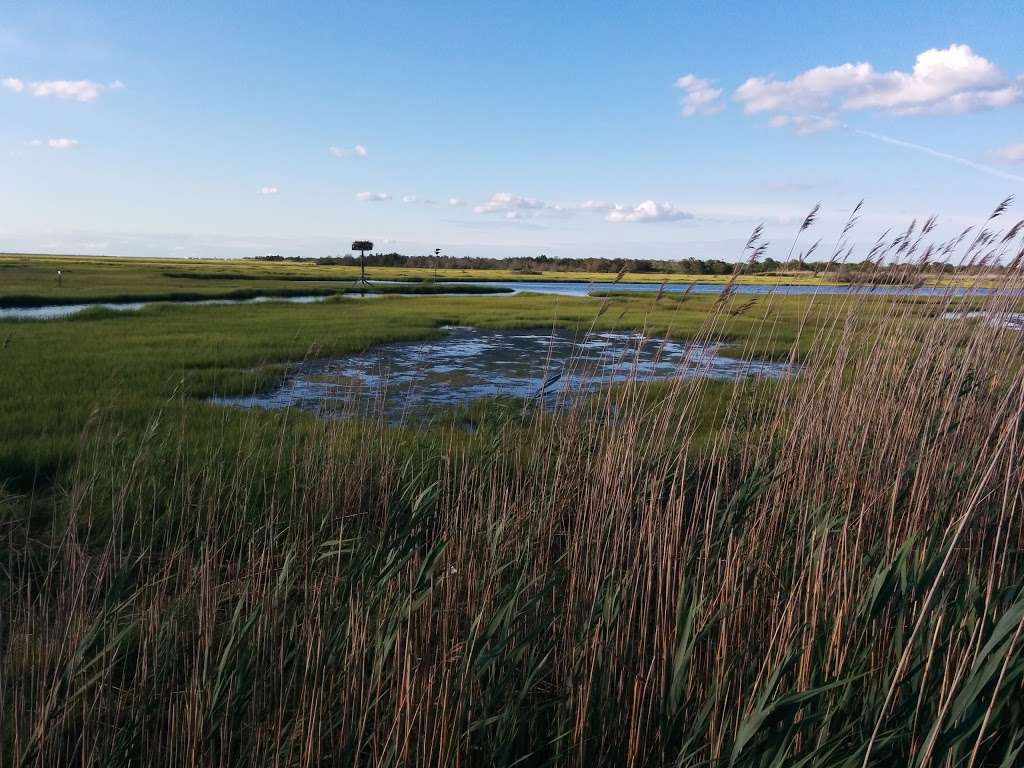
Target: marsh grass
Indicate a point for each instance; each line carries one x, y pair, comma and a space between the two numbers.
92, 278
831, 576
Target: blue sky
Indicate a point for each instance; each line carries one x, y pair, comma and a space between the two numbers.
573, 129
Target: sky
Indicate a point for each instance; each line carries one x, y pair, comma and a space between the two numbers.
645, 130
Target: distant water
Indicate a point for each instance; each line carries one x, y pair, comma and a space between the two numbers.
408, 379
57, 311
54, 312
586, 289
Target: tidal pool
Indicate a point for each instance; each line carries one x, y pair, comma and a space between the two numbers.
411, 379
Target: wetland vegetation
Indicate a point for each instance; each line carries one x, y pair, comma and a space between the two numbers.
823, 567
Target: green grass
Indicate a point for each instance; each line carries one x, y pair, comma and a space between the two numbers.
32, 280
56, 374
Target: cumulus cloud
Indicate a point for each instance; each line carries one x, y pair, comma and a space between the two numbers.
269, 190
647, 212
12, 84
805, 125
372, 197
456, 201
951, 80
699, 96
357, 151
1011, 154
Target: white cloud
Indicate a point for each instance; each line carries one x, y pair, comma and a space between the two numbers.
699, 96
456, 201
596, 205
357, 151
372, 197
647, 212
77, 90
409, 198
269, 190
805, 125
951, 80
1011, 154
516, 208
55, 143
504, 202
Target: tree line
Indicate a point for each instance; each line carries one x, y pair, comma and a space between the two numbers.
543, 263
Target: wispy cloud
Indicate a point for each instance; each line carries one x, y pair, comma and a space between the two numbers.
75, 90
601, 206
517, 208
804, 125
1011, 154
700, 97
357, 151
942, 155
269, 190
456, 201
372, 197
55, 143
505, 202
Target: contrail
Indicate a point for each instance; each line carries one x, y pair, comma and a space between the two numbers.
936, 153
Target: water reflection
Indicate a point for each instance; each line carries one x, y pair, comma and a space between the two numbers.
507, 288
587, 289
58, 311
413, 378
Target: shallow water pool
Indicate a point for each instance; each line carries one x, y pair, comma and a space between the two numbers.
409, 379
